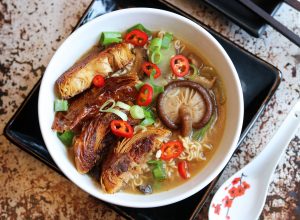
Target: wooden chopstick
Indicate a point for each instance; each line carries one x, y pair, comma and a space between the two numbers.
294, 3
272, 21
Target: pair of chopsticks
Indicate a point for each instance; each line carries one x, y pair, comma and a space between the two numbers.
272, 21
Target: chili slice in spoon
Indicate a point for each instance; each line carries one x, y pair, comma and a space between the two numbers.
180, 65
136, 37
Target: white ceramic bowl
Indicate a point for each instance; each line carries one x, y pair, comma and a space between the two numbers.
83, 39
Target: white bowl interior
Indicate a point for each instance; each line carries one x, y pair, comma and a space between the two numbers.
87, 36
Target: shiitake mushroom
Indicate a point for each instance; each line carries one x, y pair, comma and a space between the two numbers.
184, 105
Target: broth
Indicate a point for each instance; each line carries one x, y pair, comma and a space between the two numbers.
212, 138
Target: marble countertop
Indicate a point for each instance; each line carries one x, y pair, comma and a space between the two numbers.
30, 33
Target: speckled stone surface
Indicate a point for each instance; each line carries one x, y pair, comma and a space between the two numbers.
31, 31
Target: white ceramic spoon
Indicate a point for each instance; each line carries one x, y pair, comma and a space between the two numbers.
243, 195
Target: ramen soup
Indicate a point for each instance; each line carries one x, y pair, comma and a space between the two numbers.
142, 109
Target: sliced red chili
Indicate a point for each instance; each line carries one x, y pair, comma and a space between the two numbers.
149, 67
180, 65
136, 37
145, 95
183, 169
121, 128
98, 81
171, 149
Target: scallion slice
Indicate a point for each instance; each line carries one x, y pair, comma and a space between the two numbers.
159, 173
156, 56
141, 28
155, 162
198, 135
60, 105
108, 105
158, 169
123, 105
167, 38
147, 122
110, 37
139, 85
119, 113
148, 112
137, 112
195, 70
66, 137
157, 89
155, 44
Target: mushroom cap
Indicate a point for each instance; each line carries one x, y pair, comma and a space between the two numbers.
184, 104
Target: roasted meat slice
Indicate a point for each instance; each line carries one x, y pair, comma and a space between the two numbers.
94, 138
118, 167
80, 76
87, 104
88, 145
140, 57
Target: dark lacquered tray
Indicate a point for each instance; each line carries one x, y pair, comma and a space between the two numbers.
241, 15
245, 18
259, 82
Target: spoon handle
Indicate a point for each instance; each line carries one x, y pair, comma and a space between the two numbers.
271, 154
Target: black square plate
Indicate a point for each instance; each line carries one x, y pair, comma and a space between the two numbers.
241, 15
259, 82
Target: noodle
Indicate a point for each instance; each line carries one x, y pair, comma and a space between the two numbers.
193, 149
161, 34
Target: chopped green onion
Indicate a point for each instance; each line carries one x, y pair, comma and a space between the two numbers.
119, 113
110, 37
159, 173
109, 102
158, 169
156, 185
148, 112
157, 89
167, 54
156, 57
194, 69
141, 28
137, 112
60, 105
139, 85
167, 38
155, 162
66, 137
198, 135
155, 44
123, 105
147, 122
112, 104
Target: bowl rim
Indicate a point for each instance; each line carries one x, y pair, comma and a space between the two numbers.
137, 204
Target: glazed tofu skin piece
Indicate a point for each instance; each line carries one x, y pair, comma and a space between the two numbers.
80, 76
119, 166
86, 106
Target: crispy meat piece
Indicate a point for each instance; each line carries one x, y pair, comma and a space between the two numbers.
140, 58
120, 163
94, 138
80, 76
86, 105
87, 146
